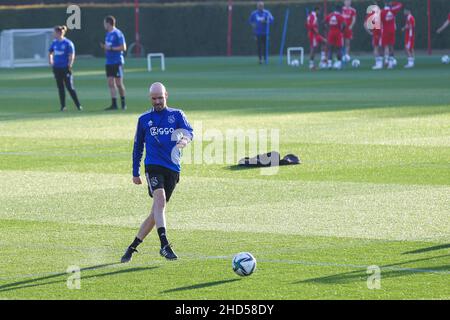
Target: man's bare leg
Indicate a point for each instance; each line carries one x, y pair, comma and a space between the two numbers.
113, 91
312, 53
144, 230
146, 226
121, 88
347, 47
159, 206
156, 217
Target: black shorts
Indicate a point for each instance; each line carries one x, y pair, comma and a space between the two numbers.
160, 177
114, 70
61, 73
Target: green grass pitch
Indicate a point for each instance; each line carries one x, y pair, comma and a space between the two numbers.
373, 188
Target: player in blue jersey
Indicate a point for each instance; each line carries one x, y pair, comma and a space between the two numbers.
258, 20
164, 131
61, 56
114, 47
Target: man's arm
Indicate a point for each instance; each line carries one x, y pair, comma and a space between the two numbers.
442, 28
269, 17
343, 23
122, 47
71, 56
353, 22
50, 55
50, 58
138, 150
251, 20
316, 30
396, 6
71, 60
326, 21
188, 131
366, 27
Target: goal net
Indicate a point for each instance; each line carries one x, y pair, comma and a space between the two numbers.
25, 47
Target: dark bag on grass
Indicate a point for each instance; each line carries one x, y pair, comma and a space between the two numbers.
269, 159
290, 159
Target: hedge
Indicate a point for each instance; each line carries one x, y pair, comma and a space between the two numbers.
201, 29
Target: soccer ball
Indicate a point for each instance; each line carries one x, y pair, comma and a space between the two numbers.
337, 65
346, 58
244, 264
323, 65
295, 63
445, 59
356, 63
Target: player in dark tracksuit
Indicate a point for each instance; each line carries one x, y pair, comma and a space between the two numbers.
164, 131
61, 57
259, 20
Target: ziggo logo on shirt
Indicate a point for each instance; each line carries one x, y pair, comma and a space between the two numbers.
154, 131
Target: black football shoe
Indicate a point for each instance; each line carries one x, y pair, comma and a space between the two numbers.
128, 255
168, 253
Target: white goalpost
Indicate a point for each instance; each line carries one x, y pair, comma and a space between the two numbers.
25, 47
292, 50
156, 55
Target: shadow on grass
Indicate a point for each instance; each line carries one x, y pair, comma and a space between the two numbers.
236, 167
200, 285
428, 249
31, 282
390, 271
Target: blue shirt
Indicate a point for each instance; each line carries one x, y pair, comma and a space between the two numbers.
61, 52
115, 38
259, 20
160, 132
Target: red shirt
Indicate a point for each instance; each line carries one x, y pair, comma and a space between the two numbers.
410, 26
348, 13
312, 24
387, 16
335, 20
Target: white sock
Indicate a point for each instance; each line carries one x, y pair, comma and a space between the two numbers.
391, 62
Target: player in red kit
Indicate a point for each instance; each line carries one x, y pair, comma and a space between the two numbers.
349, 15
410, 32
372, 24
444, 25
388, 28
315, 39
335, 23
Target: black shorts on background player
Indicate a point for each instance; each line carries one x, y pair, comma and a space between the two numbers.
114, 70
160, 177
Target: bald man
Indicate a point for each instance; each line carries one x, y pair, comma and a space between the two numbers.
164, 131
